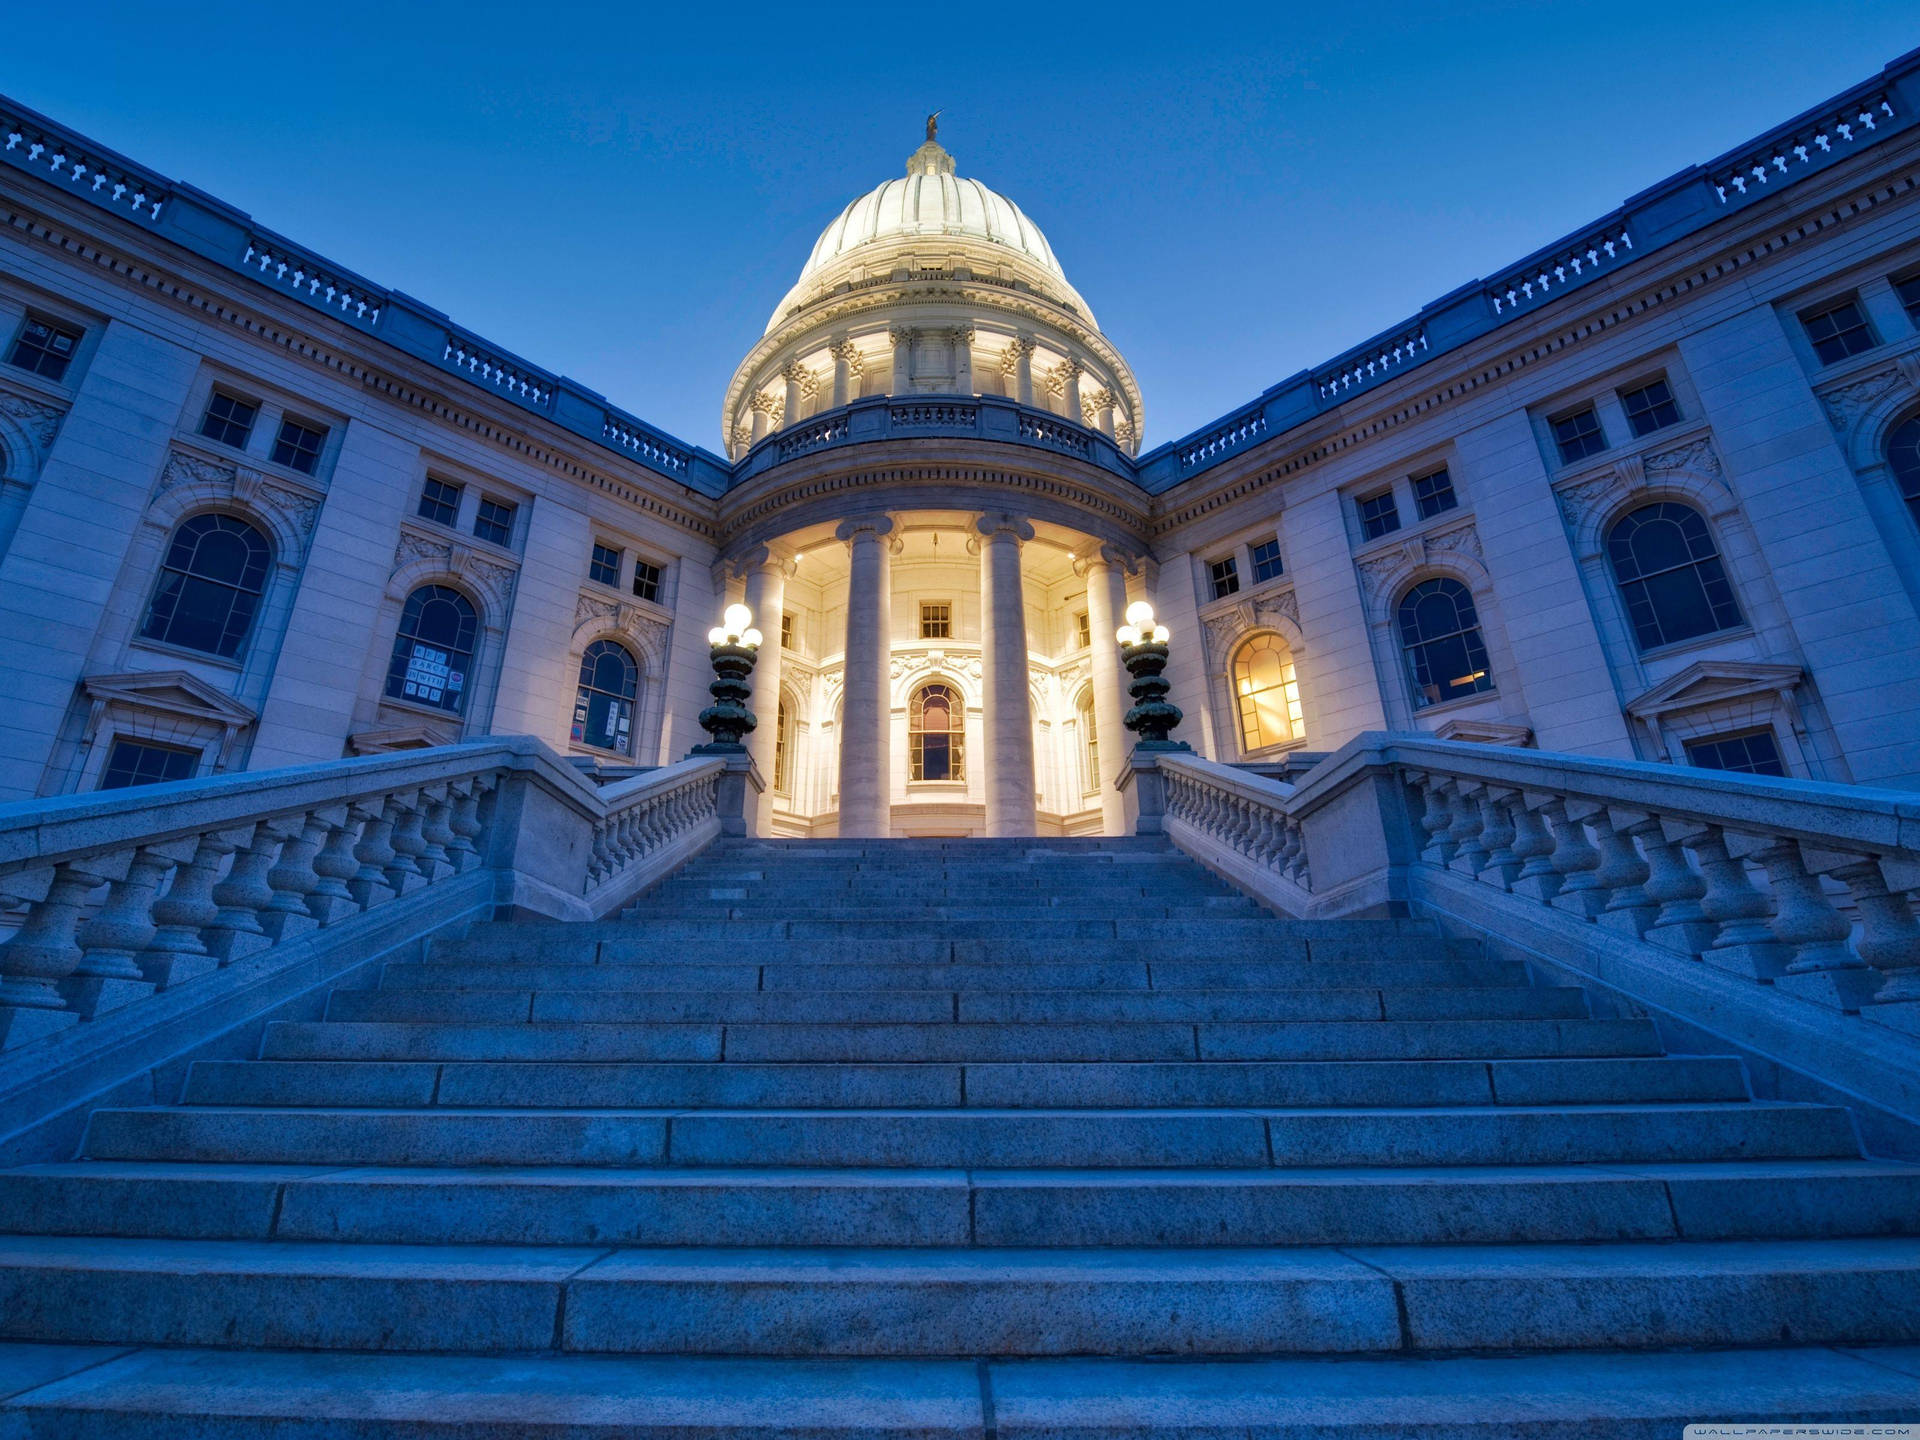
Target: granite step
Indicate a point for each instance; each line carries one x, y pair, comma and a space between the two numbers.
1368, 1039
934, 1302
1042, 1085
976, 1136
88, 1392
564, 1205
934, 1005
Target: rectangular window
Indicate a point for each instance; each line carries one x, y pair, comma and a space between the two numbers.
1909, 292
136, 762
1750, 752
646, 579
1578, 435
1266, 560
1226, 577
229, 420
1650, 407
786, 631
1082, 630
493, 522
936, 620
1433, 493
1378, 515
298, 446
45, 348
605, 565
440, 501
1837, 331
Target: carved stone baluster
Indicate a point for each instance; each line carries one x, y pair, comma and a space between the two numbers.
293, 879
109, 975
1575, 859
1435, 817
1533, 846
334, 866
1623, 871
1497, 833
1745, 943
600, 864
236, 931
1681, 925
177, 953
1300, 871
374, 852
44, 951
436, 835
1889, 939
464, 823
1824, 968
1468, 853
405, 874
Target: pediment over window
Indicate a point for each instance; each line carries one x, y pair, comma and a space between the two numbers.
402, 737
170, 692
1485, 732
1713, 683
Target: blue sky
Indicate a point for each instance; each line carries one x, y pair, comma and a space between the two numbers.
622, 194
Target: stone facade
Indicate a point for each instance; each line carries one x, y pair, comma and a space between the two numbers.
934, 448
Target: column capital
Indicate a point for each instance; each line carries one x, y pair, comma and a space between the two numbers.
794, 372
901, 334
763, 557
995, 522
1070, 369
961, 334
1109, 556
879, 526
846, 352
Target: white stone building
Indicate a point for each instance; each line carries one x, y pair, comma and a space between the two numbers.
1651, 492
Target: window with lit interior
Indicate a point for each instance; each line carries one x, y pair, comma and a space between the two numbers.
1267, 692
1440, 637
1089, 745
433, 651
210, 585
603, 705
783, 750
1670, 575
936, 723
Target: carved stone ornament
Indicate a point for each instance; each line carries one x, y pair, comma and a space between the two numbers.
1847, 403
1581, 496
1459, 540
1696, 457
1281, 603
297, 509
1383, 569
495, 580
39, 419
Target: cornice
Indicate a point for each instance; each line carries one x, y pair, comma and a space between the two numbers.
1568, 322
325, 344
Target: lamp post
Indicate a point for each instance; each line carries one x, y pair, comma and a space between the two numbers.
735, 646
1143, 650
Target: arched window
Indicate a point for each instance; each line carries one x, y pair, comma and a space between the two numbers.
1267, 692
603, 705
1440, 633
210, 585
783, 750
1670, 575
936, 724
1089, 746
433, 652
1903, 458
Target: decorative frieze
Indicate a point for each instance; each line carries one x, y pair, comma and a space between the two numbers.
40, 420
494, 581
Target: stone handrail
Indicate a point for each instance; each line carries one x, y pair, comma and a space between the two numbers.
124, 893
1806, 887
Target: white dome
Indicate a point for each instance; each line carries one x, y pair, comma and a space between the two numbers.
931, 200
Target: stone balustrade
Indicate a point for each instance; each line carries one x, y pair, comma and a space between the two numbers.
1806, 888
120, 894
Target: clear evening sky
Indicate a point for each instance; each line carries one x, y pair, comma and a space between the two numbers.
622, 193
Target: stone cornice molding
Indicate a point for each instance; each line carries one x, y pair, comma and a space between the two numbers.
147, 264
1757, 236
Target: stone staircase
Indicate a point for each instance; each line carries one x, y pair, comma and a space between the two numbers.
958, 1138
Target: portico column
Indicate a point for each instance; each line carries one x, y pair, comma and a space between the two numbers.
796, 375
1103, 402
766, 570
1070, 373
1106, 575
1022, 352
845, 357
762, 418
1008, 717
865, 741
902, 359
962, 339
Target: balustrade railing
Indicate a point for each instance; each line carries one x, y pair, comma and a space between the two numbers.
1805, 887
121, 894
